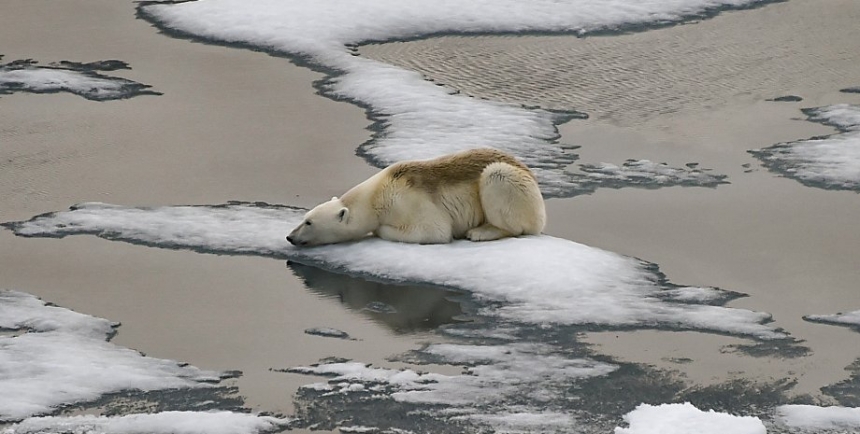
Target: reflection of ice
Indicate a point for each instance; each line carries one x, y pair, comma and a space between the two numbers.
828, 162
414, 117
76, 78
171, 422
687, 419
536, 280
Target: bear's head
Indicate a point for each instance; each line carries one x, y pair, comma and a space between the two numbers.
328, 223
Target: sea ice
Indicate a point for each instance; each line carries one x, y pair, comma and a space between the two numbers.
851, 319
493, 377
22, 311
686, 419
812, 418
76, 78
829, 162
62, 357
535, 280
416, 118
169, 422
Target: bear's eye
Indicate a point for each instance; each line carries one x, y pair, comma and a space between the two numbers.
308, 223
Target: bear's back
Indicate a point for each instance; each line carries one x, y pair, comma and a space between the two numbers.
462, 167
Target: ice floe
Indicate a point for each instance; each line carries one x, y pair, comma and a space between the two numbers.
851, 319
810, 418
493, 377
686, 419
414, 117
534, 280
77, 78
58, 357
831, 162
170, 422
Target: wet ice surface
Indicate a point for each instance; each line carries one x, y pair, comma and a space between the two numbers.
54, 359
416, 119
830, 162
73, 77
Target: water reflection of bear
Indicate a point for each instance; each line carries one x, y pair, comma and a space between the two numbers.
403, 307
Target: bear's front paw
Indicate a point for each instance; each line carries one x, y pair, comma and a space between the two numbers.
486, 233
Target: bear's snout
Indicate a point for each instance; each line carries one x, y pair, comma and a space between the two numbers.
296, 242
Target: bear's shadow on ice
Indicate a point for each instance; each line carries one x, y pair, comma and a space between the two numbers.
405, 308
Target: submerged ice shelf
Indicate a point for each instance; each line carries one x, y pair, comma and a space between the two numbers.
534, 280
416, 119
830, 162
73, 77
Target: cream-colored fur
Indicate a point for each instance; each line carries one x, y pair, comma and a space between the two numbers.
480, 194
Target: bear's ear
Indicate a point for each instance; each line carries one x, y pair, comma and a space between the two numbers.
343, 214
334, 198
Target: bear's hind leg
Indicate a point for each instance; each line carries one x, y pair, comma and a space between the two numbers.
512, 203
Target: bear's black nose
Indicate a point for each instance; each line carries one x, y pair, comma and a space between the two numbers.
291, 240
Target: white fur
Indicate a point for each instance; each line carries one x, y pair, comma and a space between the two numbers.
502, 201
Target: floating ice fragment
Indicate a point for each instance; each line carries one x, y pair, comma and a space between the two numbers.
19, 310
686, 419
64, 358
813, 418
170, 422
851, 319
831, 162
77, 78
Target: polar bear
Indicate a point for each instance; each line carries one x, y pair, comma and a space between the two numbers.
479, 194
